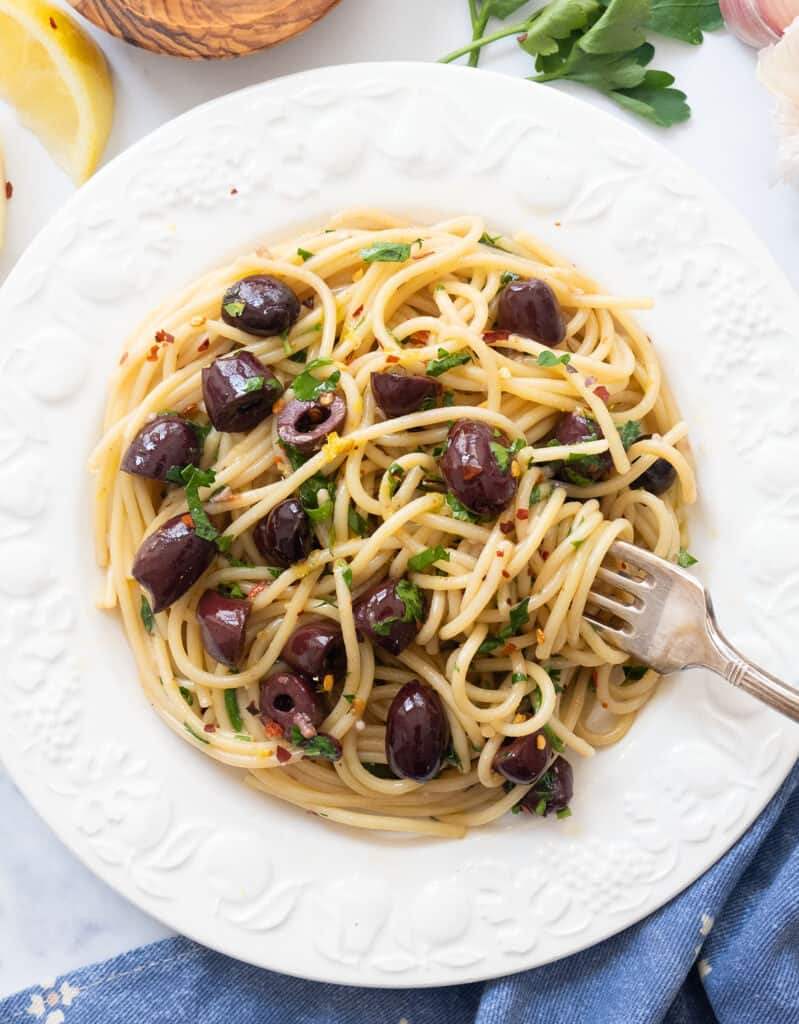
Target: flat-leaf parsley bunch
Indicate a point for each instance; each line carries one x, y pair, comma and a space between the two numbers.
602, 44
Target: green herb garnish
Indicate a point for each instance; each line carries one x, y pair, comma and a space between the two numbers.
233, 712
491, 240
307, 388
507, 276
548, 358
446, 361
460, 511
357, 524
519, 617
629, 432
318, 746
196, 735
193, 479
386, 252
396, 474
413, 603
346, 575
234, 308
427, 557
187, 695
501, 454
685, 559
146, 613
305, 254
231, 590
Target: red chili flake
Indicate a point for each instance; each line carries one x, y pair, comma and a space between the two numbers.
522, 38
204, 345
420, 337
506, 574
557, 223
509, 648
603, 703
152, 355
421, 255
272, 729
283, 755
234, 191
164, 337
522, 514
470, 472
392, 359
491, 336
53, 23
187, 521
506, 527
358, 311
209, 728
544, 555
256, 590
122, 358
9, 190
500, 552
602, 392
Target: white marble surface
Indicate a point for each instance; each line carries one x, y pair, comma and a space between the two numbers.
54, 916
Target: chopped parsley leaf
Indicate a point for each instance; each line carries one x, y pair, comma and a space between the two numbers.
187, 695
231, 590
234, 308
685, 559
519, 616
460, 511
305, 255
507, 276
193, 479
629, 432
449, 399
501, 454
318, 746
307, 388
548, 358
396, 474
346, 574
446, 361
427, 557
233, 711
491, 240
386, 252
357, 523
146, 613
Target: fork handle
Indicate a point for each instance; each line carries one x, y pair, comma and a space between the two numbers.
725, 660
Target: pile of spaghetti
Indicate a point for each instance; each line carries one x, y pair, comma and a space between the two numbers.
496, 601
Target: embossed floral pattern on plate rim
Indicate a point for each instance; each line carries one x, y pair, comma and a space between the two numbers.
179, 835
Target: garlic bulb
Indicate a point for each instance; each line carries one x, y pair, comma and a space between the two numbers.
759, 22
778, 70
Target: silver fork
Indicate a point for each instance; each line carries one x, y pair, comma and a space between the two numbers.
668, 623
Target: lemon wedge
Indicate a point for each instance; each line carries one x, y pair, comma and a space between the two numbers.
57, 79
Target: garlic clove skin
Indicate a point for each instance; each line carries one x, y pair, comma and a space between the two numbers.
759, 23
778, 70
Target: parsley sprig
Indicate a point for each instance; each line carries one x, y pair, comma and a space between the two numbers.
413, 603
519, 617
307, 388
601, 44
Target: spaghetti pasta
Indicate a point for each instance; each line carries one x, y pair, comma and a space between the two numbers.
499, 635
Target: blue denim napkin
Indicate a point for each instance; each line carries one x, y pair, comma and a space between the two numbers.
726, 950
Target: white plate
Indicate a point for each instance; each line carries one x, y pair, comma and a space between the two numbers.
178, 834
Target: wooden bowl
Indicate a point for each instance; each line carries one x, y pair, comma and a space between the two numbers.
203, 29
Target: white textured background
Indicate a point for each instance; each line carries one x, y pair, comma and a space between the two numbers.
54, 915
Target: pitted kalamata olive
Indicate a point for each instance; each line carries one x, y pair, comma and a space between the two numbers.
260, 304
524, 758
659, 477
316, 649
223, 621
582, 470
530, 308
290, 700
171, 559
283, 536
555, 787
398, 394
472, 470
390, 614
162, 443
305, 425
239, 392
417, 732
